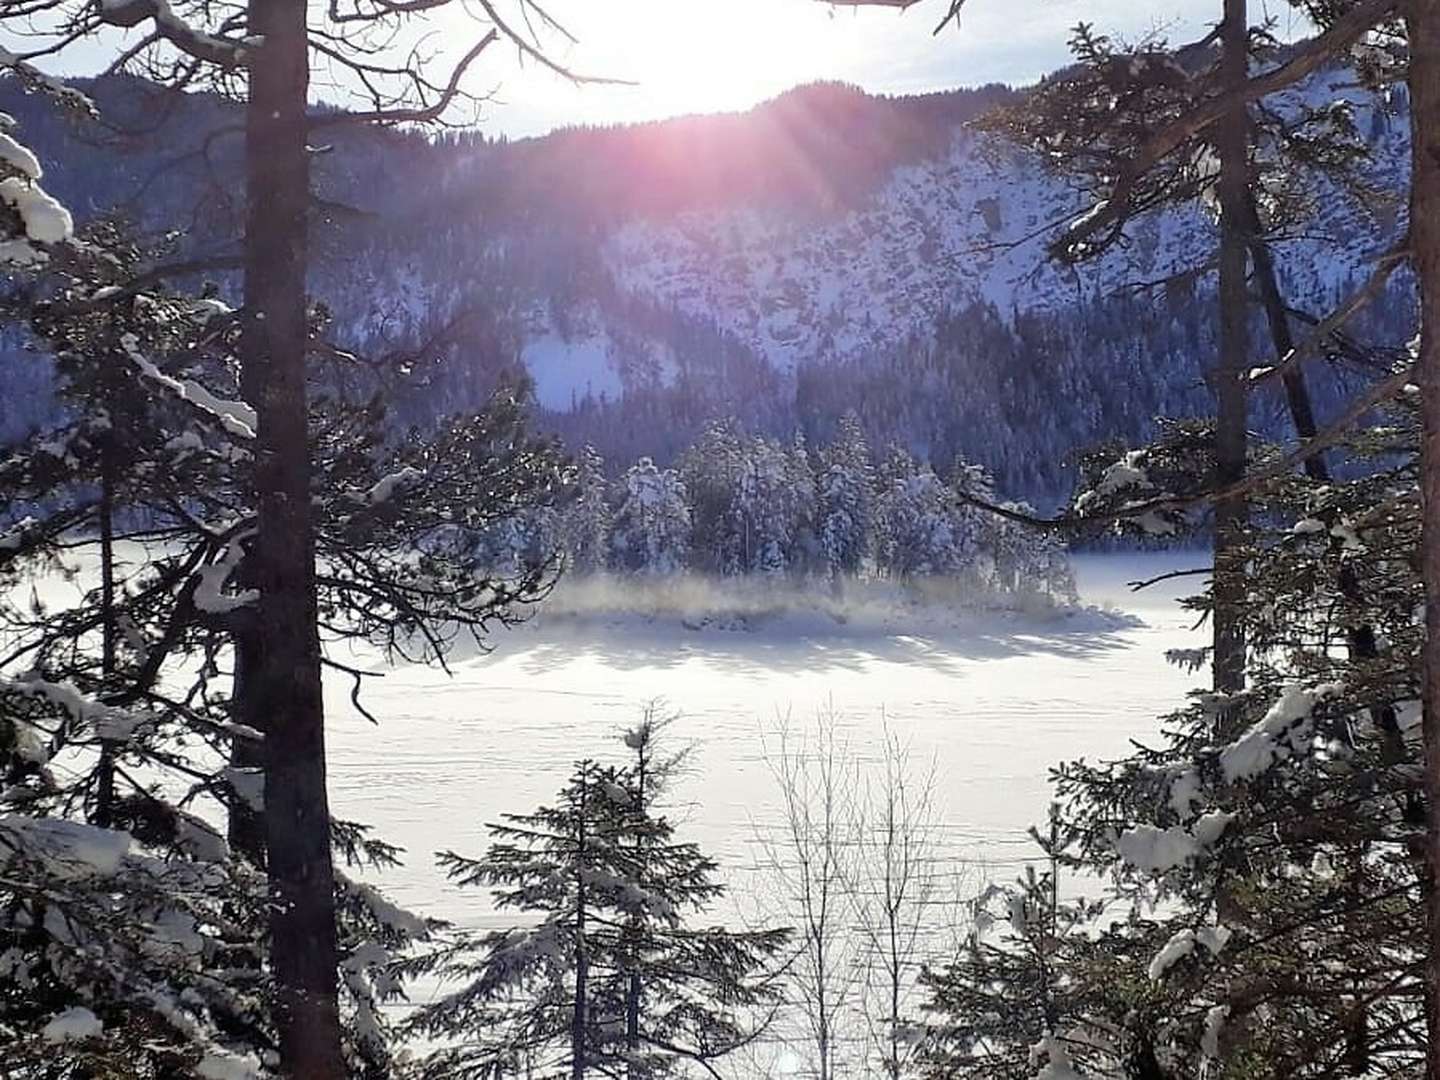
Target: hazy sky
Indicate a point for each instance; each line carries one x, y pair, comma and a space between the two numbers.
712, 55
703, 55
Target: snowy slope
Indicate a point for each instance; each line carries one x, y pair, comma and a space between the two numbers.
968, 225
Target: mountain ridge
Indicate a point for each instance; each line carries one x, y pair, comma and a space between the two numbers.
821, 244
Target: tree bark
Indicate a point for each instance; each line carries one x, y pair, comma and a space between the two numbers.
1423, 25
246, 825
105, 776
1231, 515
1360, 639
286, 688
1297, 393
578, 1055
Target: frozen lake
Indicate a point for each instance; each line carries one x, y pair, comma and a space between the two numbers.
994, 701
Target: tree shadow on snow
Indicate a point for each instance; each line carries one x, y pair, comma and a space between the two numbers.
789, 643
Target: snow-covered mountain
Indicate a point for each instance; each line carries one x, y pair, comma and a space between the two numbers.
828, 250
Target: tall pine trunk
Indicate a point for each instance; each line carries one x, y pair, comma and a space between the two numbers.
1297, 393
1423, 25
579, 1008
285, 686
105, 776
1231, 515
247, 824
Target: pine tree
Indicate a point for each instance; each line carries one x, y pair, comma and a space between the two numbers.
611, 979
1265, 907
652, 529
1008, 1004
147, 379
922, 531
711, 471
847, 514
263, 49
587, 519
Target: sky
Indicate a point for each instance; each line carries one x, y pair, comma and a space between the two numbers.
688, 56
705, 56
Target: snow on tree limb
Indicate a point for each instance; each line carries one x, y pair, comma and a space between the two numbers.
1157, 851
236, 417
226, 52
1285, 730
1182, 943
209, 592
67, 849
42, 219
1075, 241
106, 721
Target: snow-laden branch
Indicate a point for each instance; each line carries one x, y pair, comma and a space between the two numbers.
1330, 435
1287, 729
210, 596
41, 217
107, 721
226, 52
1075, 241
236, 417
1158, 851
32, 78
1182, 944
387, 487
66, 849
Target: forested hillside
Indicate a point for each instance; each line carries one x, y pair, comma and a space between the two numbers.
827, 251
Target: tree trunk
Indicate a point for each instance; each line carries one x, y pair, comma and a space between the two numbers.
632, 989
105, 776
1360, 639
582, 955
1297, 394
1423, 24
286, 687
247, 825
1231, 515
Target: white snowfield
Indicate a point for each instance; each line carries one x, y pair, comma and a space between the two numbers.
994, 700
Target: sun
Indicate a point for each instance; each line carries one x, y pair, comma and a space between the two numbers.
688, 56
692, 57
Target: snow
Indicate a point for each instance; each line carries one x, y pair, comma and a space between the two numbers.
1215, 1018
222, 1065
1286, 729
993, 699
566, 372
248, 784
14, 536
209, 595
18, 157
1157, 851
75, 1023
68, 849
44, 219
1185, 793
388, 914
1182, 944
53, 85
236, 417
1124, 473
385, 488
1053, 1058
108, 723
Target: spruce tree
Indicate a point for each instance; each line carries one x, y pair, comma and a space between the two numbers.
611, 977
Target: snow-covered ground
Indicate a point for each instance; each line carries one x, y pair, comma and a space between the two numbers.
994, 701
